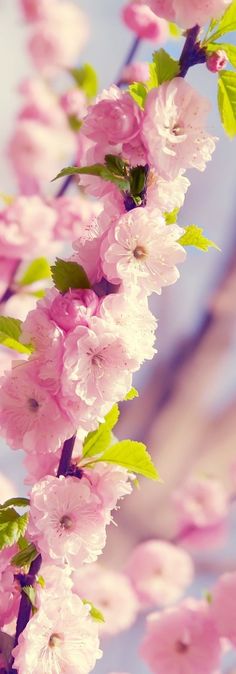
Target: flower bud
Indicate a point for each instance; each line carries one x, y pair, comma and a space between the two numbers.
217, 61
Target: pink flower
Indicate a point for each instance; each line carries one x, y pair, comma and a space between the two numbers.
9, 590
39, 465
74, 103
61, 636
135, 72
166, 194
174, 129
188, 14
182, 640
142, 252
27, 228
66, 521
74, 308
152, 570
122, 309
223, 606
111, 593
201, 501
75, 215
34, 9
217, 60
41, 104
110, 484
140, 18
30, 417
113, 119
87, 249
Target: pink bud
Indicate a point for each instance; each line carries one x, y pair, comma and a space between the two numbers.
142, 20
217, 61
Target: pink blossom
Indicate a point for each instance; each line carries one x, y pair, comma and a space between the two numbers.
182, 640
188, 14
66, 521
75, 215
74, 103
110, 484
41, 104
34, 9
60, 636
223, 606
201, 502
140, 18
166, 194
122, 309
26, 228
30, 417
174, 129
39, 465
135, 72
217, 60
74, 308
9, 590
152, 570
142, 252
111, 593
87, 249
113, 119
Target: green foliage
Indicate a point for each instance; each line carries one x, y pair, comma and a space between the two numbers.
18, 501
95, 170
174, 30
138, 92
171, 218
30, 592
115, 164
226, 24
94, 612
166, 67
133, 393
37, 270
12, 527
131, 455
227, 101
25, 556
10, 332
86, 79
137, 179
75, 123
67, 275
97, 441
193, 236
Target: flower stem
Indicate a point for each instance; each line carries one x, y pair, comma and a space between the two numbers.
25, 608
192, 53
66, 456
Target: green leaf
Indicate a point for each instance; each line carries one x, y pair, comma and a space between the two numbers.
10, 332
30, 592
98, 170
12, 526
19, 502
25, 556
226, 24
193, 236
227, 101
152, 82
94, 612
166, 67
131, 455
174, 30
138, 92
38, 270
138, 179
86, 79
41, 581
75, 123
115, 164
230, 50
97, 441
133, 393
171, 218
67, 274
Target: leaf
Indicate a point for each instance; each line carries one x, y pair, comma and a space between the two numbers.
19, 502
152, 82
86, 79
10, 332
174, 30
227, 101
29, 590
166, 67
38, 270
75, 123
226, 24
138, 179
131, 455
193, 236
67, 274
12, 526
138, 92
230, 50
94, 612
25, 556
133, 393
98, 170
97, 441
115, 164
171, 218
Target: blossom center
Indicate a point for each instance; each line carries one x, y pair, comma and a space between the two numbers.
66, 522
54, 640
140, 253
33, 404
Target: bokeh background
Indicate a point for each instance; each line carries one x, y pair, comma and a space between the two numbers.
186, 411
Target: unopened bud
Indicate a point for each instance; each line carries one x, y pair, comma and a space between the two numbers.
217, 60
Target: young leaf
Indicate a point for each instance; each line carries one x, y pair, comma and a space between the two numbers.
29, 590
94, 612
166, 67
97, 441
112, 417
98, 170
226, 24
230, 50
25, 556
171, 218
38, 270
115, 164
131, 455
133, 393
10, 332
86, 79
67, 274
138, 92
174, 30
227, 101
12, 526
193, 236
19, 502
152, 82
75, 123
138, 178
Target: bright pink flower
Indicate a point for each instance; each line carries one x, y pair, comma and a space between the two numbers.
74, 308
111, 593
188, 14
223, 606
217, 61
61, 636
201, 501
123, 309
182, 640
9, 590
140, 18
27, 228
174, 129
75, 217
152, 570
113, 119
142, 252
66, 521
135, 72
30, 417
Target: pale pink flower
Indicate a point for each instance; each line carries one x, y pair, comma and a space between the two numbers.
174, 129
110, 484
39, 465
9, 590
188, 14
27, 228
41, 104
56, 580
87, 249
142, 252
124, 310
74, 308
201, 502
75, 215
135, 72
159, 572
223, 606
61, 636
166, 194
140, 19
30, 417
74, 103
113, 119
111, 593
182, 640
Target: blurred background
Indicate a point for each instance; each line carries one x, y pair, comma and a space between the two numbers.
186, 410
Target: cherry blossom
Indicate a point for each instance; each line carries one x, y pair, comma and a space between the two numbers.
223, 606
141, 19
188, 14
